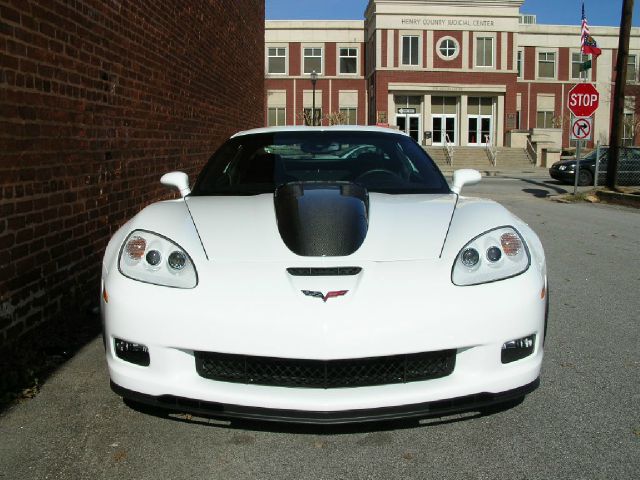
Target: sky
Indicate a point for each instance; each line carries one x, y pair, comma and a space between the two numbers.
555, 12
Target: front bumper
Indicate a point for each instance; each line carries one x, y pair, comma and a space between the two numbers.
564, 176
374, 319
420, 410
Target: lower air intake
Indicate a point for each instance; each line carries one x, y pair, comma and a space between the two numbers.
361, 372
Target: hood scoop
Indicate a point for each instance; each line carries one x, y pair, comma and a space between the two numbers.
322, 219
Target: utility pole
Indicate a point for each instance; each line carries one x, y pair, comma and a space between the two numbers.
618, 96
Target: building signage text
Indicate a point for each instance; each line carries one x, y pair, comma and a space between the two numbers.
444, 22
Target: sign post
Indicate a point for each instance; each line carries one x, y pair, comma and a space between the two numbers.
583, 101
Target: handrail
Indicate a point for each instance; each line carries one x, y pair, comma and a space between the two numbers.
492, 150
531, 152
448, 149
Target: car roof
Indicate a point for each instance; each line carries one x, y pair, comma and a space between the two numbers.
333, 128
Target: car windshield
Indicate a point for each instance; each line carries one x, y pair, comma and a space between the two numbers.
381, 162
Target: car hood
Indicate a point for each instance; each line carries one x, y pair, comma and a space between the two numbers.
380, 227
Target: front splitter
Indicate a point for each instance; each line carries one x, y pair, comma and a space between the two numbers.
467, 403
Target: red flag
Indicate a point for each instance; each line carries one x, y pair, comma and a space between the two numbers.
587, 42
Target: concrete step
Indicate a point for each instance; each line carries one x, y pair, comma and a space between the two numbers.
476, 157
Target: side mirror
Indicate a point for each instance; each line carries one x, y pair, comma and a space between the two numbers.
178, 180
465, 176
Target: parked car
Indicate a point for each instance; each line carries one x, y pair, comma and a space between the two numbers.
306, 287
628, 168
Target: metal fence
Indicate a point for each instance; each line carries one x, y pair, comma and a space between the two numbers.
628, 166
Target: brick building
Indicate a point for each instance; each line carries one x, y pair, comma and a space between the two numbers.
97, 100
467, 72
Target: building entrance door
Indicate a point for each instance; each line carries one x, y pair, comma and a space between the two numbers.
444, 129
480, 121
480, 130
410, 124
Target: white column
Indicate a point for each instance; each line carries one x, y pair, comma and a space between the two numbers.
499, 120
426, 114
464, 122
504, 50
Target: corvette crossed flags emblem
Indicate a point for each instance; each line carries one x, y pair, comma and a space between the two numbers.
334, 294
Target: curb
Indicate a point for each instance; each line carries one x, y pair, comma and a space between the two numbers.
618, 198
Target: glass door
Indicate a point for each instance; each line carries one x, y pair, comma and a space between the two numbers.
409, 124
443, 128
480, 121
480, 129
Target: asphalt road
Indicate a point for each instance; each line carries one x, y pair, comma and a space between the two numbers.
582, 423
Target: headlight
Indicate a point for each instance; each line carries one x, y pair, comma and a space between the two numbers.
152, 258
562, 167
495, 255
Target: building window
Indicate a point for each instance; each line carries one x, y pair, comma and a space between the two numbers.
410, 50
276, 116
546, 65
277, 62
308, 119
632, 68
484, 52
544, 119
313, 60
577, 59
519, 63
349, 61
349, 115
448, 48
628, 130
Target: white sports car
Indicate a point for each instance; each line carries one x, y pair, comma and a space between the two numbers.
298, 282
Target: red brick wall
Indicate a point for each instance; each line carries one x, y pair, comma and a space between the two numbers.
396, 48
295, 59
563, 65
97, 100
383, 47
530, 60
330, 59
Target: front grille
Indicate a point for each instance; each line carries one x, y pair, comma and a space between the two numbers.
323, 271
285, 372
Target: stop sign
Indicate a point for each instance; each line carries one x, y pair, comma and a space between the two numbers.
583, 100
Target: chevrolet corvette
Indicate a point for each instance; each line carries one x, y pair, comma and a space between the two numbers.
323, 275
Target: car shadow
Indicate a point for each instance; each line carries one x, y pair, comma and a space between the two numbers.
313, 429
549, 187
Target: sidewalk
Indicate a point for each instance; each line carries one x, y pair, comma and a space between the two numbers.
503, 171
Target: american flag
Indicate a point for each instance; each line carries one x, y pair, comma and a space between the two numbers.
588, 44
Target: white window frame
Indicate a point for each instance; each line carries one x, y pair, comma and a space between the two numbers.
571, 62
355, 116
455, 54
547, 51
476, 40
520, 61
339, 56
307, 112
284, 109
628, 127
286, 58
633, 79
418, 48
314, 47
548, 114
